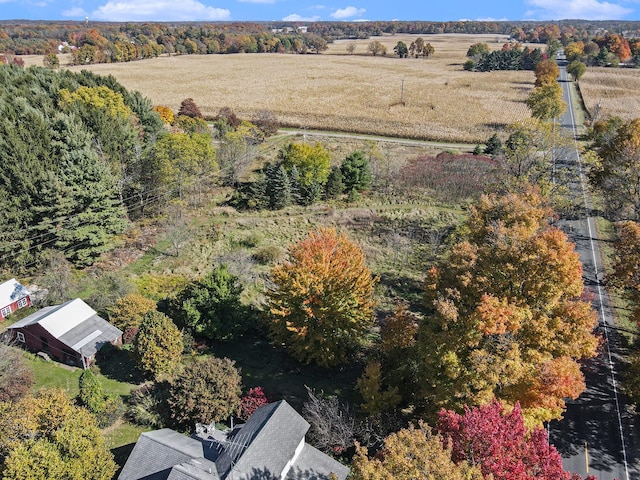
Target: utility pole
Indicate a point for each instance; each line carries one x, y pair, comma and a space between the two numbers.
402, 93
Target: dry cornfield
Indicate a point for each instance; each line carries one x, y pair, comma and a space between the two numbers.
617, 90
337, 91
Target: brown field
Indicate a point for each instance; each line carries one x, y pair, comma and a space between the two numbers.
351, 93
617, 88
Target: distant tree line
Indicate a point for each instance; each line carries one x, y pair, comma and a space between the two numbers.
112, 42
120, 42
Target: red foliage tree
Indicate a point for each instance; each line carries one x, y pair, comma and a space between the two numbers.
189, 108
498, 442
251, 401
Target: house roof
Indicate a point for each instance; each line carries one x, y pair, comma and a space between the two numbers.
260, 449
312, 464
11, 291
266, 442
75, 324
156, 454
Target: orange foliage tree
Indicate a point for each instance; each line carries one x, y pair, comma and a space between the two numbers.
547, 72
506, 316
322, 300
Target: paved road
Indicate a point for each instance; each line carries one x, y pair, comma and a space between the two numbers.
598, 434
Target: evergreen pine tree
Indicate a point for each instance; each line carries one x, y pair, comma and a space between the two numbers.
334, 185
356, 172
278, 187
494, 146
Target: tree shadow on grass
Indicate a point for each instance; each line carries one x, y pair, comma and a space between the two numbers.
118, 364
281, 376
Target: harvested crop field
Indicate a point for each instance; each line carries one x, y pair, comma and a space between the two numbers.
617, 89
337, 91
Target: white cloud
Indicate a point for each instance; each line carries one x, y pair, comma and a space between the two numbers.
488, 19
294, 17
74, 12
317, 7
159, 11
257, 1
348, 12
576, 9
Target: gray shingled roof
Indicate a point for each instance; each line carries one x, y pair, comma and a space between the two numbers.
89, 337
272, 434
258, 450
312, 464
156, 453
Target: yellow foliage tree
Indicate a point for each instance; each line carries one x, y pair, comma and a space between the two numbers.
166, 114
47, 436
322, 303
411, 454
370, 387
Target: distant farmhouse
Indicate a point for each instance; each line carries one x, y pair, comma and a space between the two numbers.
270, 446
12, 297
71, 333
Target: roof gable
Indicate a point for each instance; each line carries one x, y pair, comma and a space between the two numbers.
265, 443
11, 291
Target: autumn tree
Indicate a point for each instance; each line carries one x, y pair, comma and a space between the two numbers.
376, 399
496, 440
189, 108
47, 436
206, 390
211, 307
321, 302
506, 318
546, 72
376, 48
576, 69
626, 267
251, 401
266, 121
477, 50
616, 174
128, 311
158, 344
51, 60
309, 166
529, 155
411, 454
574, 51
182, 159
545, 101
166, 114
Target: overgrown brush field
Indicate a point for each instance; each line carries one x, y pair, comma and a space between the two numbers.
616, 89
336, 91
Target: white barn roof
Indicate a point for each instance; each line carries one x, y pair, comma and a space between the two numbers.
75, 324
11, 291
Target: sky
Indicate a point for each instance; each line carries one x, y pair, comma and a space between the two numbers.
317, 10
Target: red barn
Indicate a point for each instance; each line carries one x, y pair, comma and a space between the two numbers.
71, 333
12, 297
